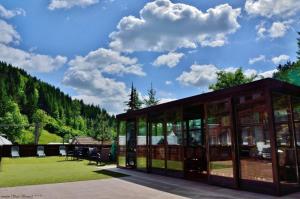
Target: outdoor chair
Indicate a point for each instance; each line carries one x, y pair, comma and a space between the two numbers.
94, 155
62, 151
15, 152
77, 153
41, 151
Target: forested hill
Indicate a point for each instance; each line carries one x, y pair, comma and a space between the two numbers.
25, 99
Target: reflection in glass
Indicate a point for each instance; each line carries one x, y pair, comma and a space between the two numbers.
122, 144
174, 141
158, 147
131, 144
219, 131
254, 142
142, 143
195, 133
286, 150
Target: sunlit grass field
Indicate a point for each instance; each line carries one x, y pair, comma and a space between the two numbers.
32, 171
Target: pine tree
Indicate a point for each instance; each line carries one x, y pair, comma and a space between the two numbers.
298, 43
152, 100
134, 102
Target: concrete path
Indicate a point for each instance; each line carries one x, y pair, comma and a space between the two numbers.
137, 185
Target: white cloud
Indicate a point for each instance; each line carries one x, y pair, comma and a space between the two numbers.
67, 4
199, 75
21, 58
268, 73
165, 100
271, 8
8, 33
30, 61
7, 14
166, 26
171, 59
168, 82
93, 87
86, 76
276, 30
281, 59
260, 58
107, 61
204, 75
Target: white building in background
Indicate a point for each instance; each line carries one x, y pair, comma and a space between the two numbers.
4, 141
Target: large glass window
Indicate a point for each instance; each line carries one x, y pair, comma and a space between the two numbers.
157, 145
254, 138
296, 111
174, 141
131, 144
284, 136
219, 132
142, 143
122, 144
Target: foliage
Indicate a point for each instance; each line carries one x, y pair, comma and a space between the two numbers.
229, 79
65, 116
298, 43
101, 130
151, 100
47, 137
289, 72
134, 102
12, 122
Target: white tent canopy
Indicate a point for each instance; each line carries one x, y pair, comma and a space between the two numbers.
4, 141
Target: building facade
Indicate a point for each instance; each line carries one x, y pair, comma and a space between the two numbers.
245, 137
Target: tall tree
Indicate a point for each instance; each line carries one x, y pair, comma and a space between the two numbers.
134, 102
151, 100
12, 122
298, 43
39, 118
230, 79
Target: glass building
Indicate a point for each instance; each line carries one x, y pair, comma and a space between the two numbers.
245, 137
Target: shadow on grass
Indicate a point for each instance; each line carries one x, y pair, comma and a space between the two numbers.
111, 173
70, 160
95, 164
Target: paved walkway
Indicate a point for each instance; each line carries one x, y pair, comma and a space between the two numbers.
137, 185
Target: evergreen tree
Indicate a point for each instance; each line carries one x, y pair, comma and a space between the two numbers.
152, 100
134, 102
298, 43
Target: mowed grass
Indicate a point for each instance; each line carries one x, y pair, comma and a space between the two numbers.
32, 171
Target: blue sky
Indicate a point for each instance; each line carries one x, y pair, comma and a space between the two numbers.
94, 49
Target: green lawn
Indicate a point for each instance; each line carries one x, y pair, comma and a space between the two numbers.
31, 171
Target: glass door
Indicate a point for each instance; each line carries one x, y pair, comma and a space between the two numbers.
157, 147
219, 129
131, 144
142, 152
286, 149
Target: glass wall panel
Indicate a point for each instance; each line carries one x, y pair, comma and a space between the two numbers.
131, 144
296, 111
254, 138
284, 136
219, 132
157, 145
142, 143
174, 142
122, 144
